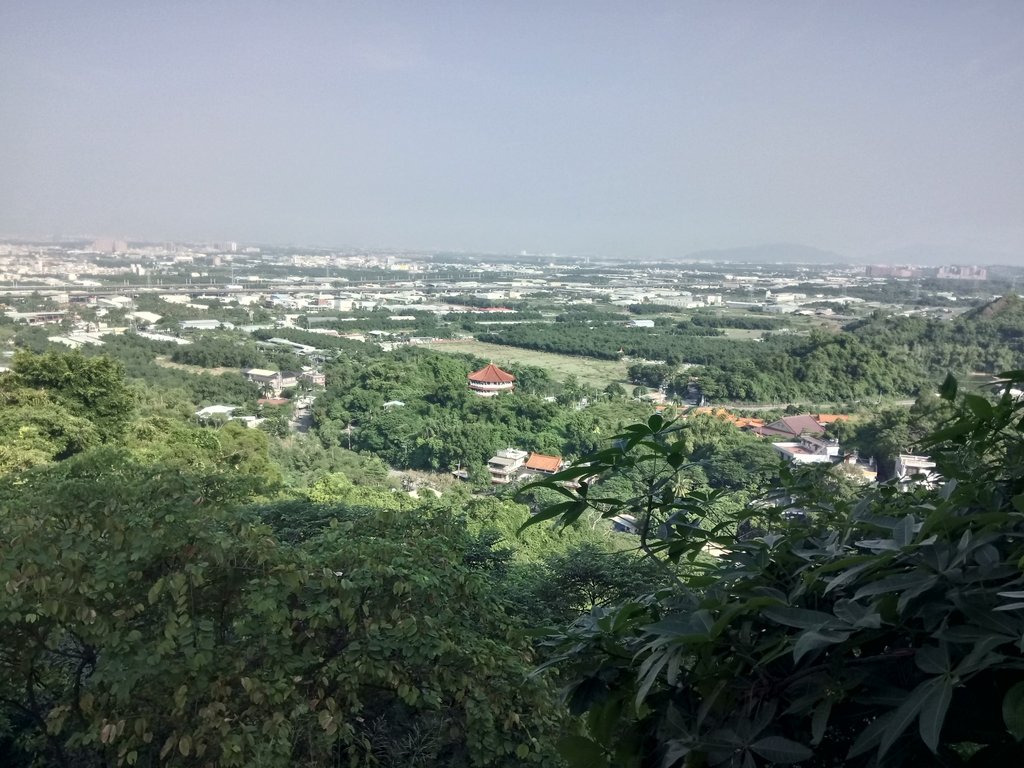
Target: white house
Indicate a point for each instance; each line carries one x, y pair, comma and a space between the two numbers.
809, 450
625, 524
506, 465
204, 325
144, 317
276, 380
911, 469
211, 411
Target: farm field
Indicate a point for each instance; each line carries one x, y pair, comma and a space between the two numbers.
598, 373
742, 333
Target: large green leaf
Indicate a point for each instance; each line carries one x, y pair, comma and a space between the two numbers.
819, 721
903, 533
857, 615
979, 406
781, 750
905, 714
933, 712
813, 639
870, 735
801, 618
581, 752
851, 574
1013, 711
691, 626
896, 583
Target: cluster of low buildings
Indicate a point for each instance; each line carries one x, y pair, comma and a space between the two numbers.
511, 464
217, 413
801, 439
275, 382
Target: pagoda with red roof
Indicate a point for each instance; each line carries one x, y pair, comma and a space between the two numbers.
491, 380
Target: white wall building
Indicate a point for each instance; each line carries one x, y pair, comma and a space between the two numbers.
506, 465
809, 450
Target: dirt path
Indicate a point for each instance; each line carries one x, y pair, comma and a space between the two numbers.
800, 404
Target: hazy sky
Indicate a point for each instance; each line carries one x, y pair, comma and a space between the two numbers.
628, 128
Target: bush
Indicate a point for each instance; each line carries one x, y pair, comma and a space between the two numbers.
880, 631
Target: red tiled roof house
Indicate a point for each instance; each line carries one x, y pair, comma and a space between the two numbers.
491, 380
547, 465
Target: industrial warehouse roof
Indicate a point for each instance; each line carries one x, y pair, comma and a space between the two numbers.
492, 374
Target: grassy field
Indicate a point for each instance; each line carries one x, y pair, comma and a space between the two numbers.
597, 373
743, 334
164, 361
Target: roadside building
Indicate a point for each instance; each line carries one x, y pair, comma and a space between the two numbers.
740, 422
299, 349
809, 450
204, 325
316, 378
162, 337
543, 464
791, 427
274, 380
865, 472
36, 318
263, 376
506, 465
149, 318
215, 411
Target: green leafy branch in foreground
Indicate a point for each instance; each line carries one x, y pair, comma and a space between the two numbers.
882, 630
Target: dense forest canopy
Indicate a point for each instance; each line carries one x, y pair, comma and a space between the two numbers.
988, 339
440, 424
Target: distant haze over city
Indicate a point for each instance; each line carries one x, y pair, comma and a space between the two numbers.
871, 132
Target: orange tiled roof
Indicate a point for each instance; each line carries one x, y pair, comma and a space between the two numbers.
830, 418
543, 463
491, 374
721, 413
743, 422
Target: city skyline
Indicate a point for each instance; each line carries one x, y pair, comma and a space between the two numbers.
652, 132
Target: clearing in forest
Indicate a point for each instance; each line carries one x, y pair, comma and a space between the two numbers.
589, 370
166, 362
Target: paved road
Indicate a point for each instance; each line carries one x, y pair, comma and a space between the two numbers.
800, 404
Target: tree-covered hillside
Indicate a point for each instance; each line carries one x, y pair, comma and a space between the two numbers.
413, 409
988, 339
